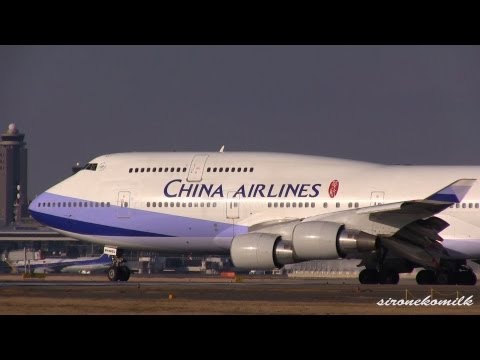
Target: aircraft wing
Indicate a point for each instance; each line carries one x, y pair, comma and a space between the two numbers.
387, 219
408, 228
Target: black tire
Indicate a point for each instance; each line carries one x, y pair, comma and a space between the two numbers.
466, 278
113, 274
473, 278
395, 278
368, 276
124, 273
388, 277
443, 278
425, 277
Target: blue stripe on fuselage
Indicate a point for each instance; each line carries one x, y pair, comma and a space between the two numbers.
87, 228
107, 220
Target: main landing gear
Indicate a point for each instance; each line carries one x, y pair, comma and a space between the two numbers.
119, 271
379, 270
372, 276
463, 276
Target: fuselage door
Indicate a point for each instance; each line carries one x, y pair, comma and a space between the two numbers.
196, 168
377, 198
233, 205
123, 204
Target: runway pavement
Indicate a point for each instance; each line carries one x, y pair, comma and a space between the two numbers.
67, 294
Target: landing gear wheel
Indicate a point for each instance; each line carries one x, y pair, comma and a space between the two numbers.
443, 278
466, 278
388, 277
425, 277
124, 273
472, 278
118, 271
395, 278
113, 273
368, 276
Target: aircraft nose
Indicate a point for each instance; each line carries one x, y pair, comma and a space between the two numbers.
33, 204
35, 208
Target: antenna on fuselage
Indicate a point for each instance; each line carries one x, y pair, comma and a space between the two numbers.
222, 148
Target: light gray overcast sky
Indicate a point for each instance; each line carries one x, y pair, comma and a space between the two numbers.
389, 104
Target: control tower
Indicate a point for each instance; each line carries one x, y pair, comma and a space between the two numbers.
13, 176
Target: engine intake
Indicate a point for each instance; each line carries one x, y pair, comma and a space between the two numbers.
260, 251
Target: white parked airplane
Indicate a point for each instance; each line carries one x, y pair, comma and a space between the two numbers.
270, 209
68, 265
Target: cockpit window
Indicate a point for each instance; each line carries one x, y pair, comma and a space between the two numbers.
91, 166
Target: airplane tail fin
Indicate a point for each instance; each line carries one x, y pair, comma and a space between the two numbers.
453, 193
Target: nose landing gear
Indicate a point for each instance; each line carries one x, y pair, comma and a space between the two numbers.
119, 271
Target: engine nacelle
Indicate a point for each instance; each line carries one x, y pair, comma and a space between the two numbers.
260, 251
324, 240
315, 240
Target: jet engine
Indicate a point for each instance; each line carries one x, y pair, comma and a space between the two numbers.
315, 240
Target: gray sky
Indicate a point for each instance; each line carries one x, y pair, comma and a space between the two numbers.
389, 104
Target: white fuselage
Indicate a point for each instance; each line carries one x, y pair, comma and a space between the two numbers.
197, 202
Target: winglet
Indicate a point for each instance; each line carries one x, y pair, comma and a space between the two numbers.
222, 148
455, 192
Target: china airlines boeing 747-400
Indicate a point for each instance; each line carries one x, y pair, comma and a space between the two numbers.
268, 209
